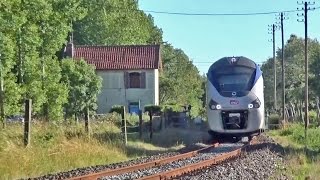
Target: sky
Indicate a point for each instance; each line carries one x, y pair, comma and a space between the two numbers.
206, 39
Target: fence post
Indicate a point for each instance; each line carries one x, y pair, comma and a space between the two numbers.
27, 121
151, 129
87, 121
161, 118
124, 124
140, 124
165, 119
2, 116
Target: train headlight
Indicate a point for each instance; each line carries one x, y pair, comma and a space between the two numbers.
255, 104
250, 106
214, 105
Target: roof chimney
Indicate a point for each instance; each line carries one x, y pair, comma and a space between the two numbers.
69, 49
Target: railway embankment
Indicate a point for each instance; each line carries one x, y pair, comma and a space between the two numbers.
302, 156
60, 152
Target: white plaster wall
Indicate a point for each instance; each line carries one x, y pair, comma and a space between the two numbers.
156, 87
113, 91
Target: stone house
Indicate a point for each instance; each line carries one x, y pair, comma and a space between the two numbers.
130, 74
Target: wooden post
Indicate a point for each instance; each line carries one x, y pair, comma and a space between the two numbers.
161, 121
150, 116
27, 121
166, 116
124, 125
140, 124
87, 121
2, 116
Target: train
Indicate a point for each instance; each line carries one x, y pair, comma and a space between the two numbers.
235, 98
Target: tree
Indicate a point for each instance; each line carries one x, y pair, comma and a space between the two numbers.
294, 72
180, 82
83, 86
31, 32
114, 22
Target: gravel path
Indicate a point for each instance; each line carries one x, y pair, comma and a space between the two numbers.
177, 164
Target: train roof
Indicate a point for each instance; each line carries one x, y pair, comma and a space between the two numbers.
228, 61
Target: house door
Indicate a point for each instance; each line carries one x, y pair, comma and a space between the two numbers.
134, 107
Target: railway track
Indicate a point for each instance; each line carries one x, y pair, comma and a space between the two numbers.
170, 167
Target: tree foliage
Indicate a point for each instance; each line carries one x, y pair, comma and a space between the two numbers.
33, 31
114, 22
294, 76
180, 83
83, 86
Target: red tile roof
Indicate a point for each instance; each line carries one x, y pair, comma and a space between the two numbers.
120, 57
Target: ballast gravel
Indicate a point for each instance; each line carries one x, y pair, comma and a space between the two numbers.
261, 161
258, 164
177, 164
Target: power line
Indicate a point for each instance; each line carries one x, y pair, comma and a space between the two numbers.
222, 14
208, 62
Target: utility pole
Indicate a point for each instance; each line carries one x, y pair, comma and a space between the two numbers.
283, 69
274, 27
306, 64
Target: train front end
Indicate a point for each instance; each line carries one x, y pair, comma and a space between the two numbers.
235, 98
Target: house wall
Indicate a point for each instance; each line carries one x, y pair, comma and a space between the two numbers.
113, 91
156, 86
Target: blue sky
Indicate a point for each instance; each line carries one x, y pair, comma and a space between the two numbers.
207, 38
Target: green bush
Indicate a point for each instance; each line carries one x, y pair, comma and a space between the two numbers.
116, 108
295, 132
274, 119
312, 117
152, 108
286, 132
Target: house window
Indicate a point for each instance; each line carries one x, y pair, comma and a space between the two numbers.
135, 80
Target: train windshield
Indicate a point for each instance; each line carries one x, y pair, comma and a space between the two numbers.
234, 82
233, 79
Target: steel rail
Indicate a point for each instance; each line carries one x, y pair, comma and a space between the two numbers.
112, 172
196, 166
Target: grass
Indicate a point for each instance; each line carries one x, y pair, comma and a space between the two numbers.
56, 148
302, 156
62, 147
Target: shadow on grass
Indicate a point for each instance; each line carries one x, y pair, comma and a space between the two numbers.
108, 137
135, 151
167, 140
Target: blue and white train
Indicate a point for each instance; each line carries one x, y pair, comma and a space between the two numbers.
235, 98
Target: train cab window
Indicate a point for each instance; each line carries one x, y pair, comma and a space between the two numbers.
234, 82
232, 79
